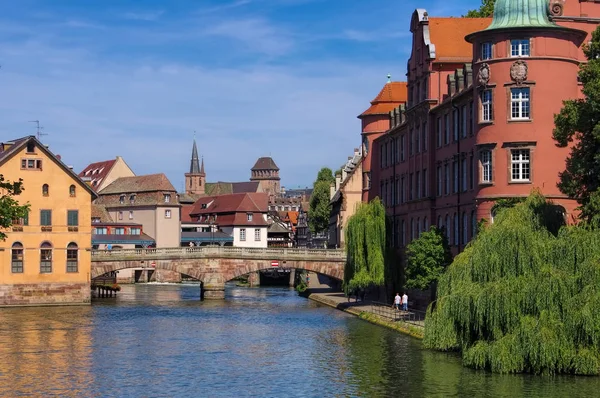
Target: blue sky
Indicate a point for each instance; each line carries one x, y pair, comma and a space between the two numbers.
284, 78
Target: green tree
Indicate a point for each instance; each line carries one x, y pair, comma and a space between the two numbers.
521, 298
325, 174
578, 123
426, 259
485, 10
365, 247
319, 207
10, 209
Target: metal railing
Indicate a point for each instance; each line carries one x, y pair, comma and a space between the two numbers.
388, 311
219, 251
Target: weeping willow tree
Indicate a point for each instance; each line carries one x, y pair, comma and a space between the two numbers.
365, 247
524, 296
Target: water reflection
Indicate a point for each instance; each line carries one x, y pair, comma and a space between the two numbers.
161, 341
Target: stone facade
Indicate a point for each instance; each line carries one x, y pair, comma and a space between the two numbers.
39, 294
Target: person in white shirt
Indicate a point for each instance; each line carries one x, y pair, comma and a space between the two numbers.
397, 301
405, 302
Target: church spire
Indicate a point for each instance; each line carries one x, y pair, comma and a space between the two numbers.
202, 166
195, 164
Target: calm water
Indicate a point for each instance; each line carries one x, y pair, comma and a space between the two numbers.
161, 341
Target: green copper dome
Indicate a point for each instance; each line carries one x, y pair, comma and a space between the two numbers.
521, 14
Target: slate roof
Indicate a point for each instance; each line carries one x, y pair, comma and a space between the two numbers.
97, 172
136, 184
265, 163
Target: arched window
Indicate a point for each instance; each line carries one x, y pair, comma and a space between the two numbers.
448, 228
72, 191
439, 223
456, 228
418, 227
45, 190
16, 264
46, 258
412, 228
425, 225
72, 257
465, 232
473, 224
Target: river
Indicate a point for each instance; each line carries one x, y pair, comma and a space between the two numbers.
161, 341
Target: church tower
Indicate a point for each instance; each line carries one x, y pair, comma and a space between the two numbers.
195, 180
266, 172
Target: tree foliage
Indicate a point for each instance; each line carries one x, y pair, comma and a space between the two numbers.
578, 123
426, 259
521, 298
365, 247
485, 10
10, 209
319, 206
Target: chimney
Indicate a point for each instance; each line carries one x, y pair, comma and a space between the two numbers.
70, 168
338, 181
332, 190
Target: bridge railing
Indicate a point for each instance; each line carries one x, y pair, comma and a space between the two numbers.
388, 311
217, 251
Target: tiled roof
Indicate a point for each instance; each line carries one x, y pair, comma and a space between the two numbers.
293, 217
448, 37
237, 202
277, 228
8, 147
390, 96
96, 172
265, 163
146, 183
99, 211
188, 198
226, 188
185, 213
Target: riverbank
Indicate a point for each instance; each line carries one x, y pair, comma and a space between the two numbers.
363, 310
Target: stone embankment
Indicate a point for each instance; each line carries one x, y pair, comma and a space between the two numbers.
370, 311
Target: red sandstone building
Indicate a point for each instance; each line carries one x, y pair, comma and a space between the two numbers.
477, 125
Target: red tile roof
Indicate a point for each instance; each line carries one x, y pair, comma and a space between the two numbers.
293, 217
448, 36
185, 213
96, 172
232, 209
391, 95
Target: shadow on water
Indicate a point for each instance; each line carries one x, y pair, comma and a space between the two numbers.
160, 340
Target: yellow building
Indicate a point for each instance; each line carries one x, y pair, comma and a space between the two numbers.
45, 259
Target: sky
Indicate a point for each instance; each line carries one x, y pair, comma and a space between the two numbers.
246, 78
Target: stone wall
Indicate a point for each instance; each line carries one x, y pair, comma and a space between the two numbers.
36, 294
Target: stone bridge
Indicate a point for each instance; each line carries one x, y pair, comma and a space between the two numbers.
215, 265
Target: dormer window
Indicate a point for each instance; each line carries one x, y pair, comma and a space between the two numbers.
486, 51
132, 199
203, 206
249, 216
31, 147
519, 48
167, 198
122, 199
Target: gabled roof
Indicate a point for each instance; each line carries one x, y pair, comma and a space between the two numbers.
390, 96
233, 203
293, 217
10, 148
265, 163
136, 184
226, 188
97, 172
448, 37
99, 211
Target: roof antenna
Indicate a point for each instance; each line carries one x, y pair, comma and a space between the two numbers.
39, 129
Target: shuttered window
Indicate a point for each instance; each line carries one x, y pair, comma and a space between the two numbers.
72, 218
46, 217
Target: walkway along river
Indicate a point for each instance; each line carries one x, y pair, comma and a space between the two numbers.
156, 341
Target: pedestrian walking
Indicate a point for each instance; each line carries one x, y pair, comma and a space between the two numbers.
405, 302
397, 301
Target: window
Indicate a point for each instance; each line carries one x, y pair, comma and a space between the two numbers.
135, 231
46, 258
439, 181
131, 199
485, 158
402, 147
465, 231
473, 224
45, 218
117, 231
131, 215
73, 220
72, 257
425, 133
454, 177
519, 103
257, 235
122, 199
486, 51
72, 191
456, 228
16, 262
471, 172
470, 126
99, 231
446, 129
486, 106
411, 190
45, 190
31, 147
425, 224
243, 234
418, 138
439, 132
167, 198
418, 185
403, 233
410, 142
520, 165
425, 188
412, 229
120, 215
446, 179
464, 182
439, 223
31, 164
463, 124
418, 227
403, 190
455, 116
167, 213
448, 228
519, 48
